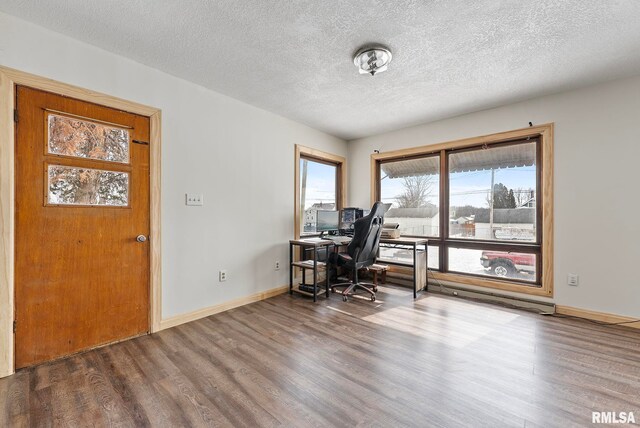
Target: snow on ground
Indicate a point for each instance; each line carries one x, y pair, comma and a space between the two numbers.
460, 260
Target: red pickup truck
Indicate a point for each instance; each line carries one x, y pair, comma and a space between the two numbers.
506, 264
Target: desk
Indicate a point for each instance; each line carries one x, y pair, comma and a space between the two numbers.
315, 244
413, 244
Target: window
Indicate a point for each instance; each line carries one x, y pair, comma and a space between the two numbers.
317, 191
85, 186
492, 193
75, 137
480, 203
319, 186
496, 263
412, 187
82, 139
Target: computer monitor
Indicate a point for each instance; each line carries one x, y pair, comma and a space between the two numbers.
348, 216
327, 220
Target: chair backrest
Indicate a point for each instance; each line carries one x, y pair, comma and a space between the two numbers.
366, 236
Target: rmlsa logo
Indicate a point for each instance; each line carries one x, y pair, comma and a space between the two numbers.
612, 418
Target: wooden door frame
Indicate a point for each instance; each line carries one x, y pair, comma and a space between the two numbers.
9, 79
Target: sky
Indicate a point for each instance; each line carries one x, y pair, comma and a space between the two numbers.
467, 188
321, 183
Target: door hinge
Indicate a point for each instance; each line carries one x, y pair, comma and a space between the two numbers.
15, 115
15, 323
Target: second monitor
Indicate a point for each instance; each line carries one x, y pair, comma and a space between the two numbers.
348, 216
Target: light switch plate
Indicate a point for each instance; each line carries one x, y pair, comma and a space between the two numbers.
572, 279
195, 199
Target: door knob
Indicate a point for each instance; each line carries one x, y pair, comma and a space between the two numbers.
141, 238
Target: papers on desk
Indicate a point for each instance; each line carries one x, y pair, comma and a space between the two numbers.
313, 239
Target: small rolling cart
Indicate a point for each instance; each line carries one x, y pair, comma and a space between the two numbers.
306, 246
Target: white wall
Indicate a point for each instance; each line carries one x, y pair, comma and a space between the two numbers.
238, 156
597, 183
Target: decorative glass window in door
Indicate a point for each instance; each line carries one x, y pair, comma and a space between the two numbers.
70, 136
69, 185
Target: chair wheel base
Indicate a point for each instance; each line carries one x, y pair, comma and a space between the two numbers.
351, 288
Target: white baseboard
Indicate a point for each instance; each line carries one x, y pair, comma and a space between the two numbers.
215, 309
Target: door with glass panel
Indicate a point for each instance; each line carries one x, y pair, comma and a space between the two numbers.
81, 226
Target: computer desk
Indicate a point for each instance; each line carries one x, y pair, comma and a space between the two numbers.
414, 244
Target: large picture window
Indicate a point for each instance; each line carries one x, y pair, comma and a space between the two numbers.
484, 204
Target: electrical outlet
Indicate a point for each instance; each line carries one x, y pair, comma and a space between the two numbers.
277, 265
572, 279
194, 199
222, 275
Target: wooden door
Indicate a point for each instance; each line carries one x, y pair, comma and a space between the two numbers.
82, 199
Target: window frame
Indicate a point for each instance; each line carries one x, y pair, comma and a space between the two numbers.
302, 152
543, 247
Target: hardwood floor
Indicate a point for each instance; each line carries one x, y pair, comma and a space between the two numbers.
438, 361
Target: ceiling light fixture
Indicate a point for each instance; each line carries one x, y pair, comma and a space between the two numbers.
372, 60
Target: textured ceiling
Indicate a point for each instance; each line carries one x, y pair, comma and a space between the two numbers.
294, 57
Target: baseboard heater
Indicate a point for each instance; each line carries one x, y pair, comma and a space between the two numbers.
485, 296
399, 275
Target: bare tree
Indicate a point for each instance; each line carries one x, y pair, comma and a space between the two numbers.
417, 190
522, 195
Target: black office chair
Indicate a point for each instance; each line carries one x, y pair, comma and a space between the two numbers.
361, 252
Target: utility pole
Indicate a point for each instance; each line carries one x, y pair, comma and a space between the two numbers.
493, 177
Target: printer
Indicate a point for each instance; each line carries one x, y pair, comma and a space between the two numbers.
390, 231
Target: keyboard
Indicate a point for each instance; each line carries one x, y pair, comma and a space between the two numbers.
340, 239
